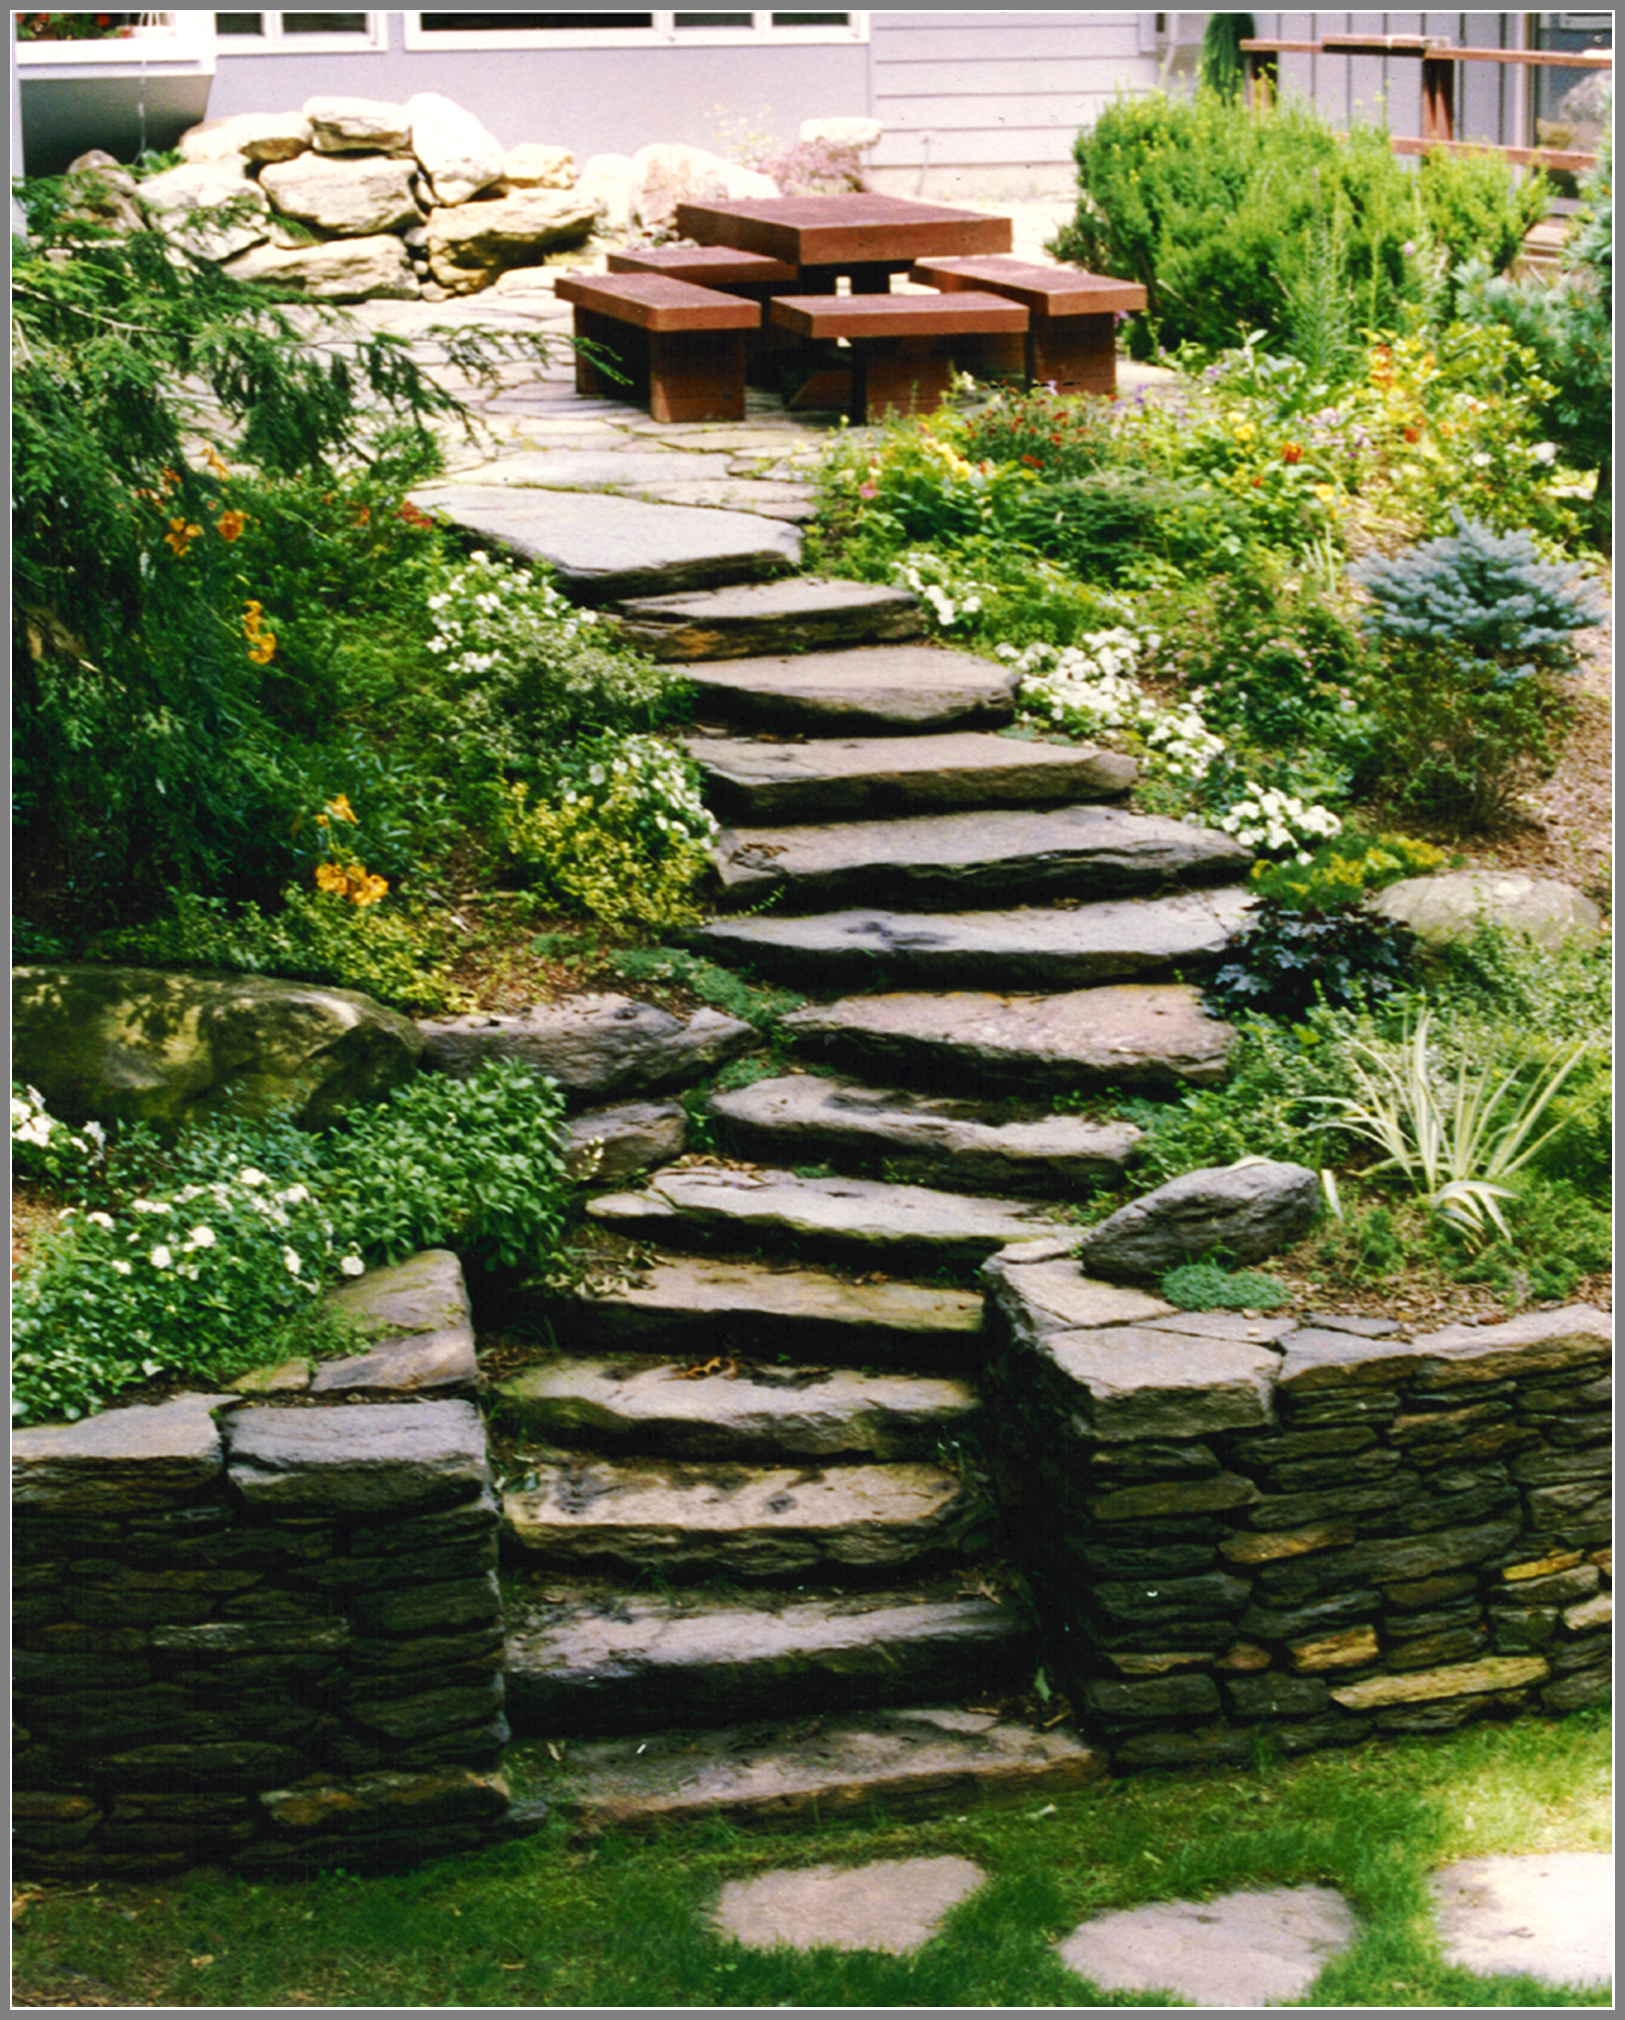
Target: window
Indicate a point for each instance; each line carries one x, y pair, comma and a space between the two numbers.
300, 32
605, 31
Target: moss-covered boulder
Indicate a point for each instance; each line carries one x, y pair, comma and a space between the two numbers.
137, 1045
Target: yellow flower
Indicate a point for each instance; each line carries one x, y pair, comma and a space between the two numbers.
352, 881
180, 536
263, 650
231, 524
340, 809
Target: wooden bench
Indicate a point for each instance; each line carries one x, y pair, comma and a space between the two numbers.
903, 346
752, 275
1071, 340
683, 346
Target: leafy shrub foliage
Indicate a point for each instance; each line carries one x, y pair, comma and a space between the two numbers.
1209, 1287
1287, 958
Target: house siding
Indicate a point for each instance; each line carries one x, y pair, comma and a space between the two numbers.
1347, 89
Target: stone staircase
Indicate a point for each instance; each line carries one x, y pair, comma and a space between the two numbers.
744, 1486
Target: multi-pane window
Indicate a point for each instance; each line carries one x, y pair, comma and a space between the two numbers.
273, 31
598, 30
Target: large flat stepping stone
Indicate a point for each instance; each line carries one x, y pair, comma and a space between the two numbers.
971, 860
930, 1139
712, 1306
1141, 1033
716, 1408
1244, 1949
844, 1212
799, 615
597, 469
1545, 1915
764, 781
591, 1045
902, 1764
601, 547
874, 687
1036, 948
597, 1660
892, 1905
758, 1521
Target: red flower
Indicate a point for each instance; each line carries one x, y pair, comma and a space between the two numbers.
1414, 432
1291, 453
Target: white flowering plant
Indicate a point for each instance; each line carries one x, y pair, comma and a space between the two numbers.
1090, 690
1278, 824
44, 1147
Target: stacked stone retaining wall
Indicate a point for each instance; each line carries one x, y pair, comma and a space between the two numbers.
257, 1635
1240, 1527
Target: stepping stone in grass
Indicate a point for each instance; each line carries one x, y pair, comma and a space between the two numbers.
1545, 1915
599, 1660
929, 1139
1243, 1949
845, 1212
762, 1522
789, 1412
703, 1305
957, 862
751, 780
1143, 1033
900, 1764
753, 618
1068, 948
877, 687
894, 1905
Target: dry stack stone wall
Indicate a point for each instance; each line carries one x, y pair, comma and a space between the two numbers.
256, 1634
1315, 1531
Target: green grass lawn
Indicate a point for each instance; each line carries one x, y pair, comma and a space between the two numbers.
621, 1920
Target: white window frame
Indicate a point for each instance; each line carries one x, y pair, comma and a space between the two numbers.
273, 40
665, 34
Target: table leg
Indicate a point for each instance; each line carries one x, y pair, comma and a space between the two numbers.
1075, 354
697, 375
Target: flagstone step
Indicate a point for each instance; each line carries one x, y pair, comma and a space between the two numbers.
885, 688
1141, 1033
679, 1518
750, 779
900, 1764
706, 1305
799, 614
1028, 948
595, 1659
721, 1408
962, 861
602, 547
926, 1139
845, 1213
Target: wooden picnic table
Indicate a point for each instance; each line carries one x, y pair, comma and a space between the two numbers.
866, 237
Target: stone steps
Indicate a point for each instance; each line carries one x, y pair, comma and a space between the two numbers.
844, 1214
970, 860
681, 1519
901, 1765
757, 779
1145, 1034
935, 1140
799, 614
593, 1659
1063, 947
720, 1408
708, 1306
895, 688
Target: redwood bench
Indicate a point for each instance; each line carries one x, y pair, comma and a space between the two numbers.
903, 346
1071, 340
730, 272
683, 346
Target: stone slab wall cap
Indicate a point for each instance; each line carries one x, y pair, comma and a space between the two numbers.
421, 1364
1249, 1210
388, 1456
1040, 1288
353, 196
143, 1457
357, 125
459, 156
1531, 1343
533, 164
858, 133
1132, 1384
1449, 907
256, 136
424, 1294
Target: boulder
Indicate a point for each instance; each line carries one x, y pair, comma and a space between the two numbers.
137, 1045
256, 136
591, 1044
357, 126
535, 165
606, 183
351, 196
173, 199
504, 231
456, 153
608, 1144
1249, 1210
343, 270
102, 191
854, 133
1451, 907
668, 173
